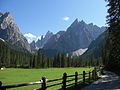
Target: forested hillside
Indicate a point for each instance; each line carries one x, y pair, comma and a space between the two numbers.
10, 57
113, 42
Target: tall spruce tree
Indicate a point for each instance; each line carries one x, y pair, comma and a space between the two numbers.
113, 20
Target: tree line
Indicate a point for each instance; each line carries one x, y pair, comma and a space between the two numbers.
111, 53
10, 57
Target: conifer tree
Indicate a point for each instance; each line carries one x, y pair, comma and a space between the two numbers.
113, 20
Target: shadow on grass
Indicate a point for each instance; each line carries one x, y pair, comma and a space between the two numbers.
80, 85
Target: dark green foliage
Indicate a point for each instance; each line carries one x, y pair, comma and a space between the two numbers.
61, 60
10, 57
113, 20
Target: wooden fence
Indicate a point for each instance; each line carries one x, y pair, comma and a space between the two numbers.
85, 75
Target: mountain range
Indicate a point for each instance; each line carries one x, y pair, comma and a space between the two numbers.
79, 35
76, 39
40, 42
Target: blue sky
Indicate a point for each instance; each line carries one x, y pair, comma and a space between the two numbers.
36, 17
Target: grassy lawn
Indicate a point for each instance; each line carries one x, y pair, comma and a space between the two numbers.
12, 76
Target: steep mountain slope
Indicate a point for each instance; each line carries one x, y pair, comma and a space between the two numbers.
54, 39
40, 42
96, 47
9, 32
78, 36
43, 41
33, 47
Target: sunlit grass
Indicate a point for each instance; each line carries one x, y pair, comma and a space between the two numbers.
12, 76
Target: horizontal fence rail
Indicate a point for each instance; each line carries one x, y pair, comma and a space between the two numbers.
18, 85
93, 75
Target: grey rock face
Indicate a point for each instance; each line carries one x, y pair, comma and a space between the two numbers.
33, 47
43, 41
9, 31
95, 49
53, 41
1, 14
7, 19
78, 52
78, 36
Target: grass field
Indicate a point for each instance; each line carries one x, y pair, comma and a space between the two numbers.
12, 76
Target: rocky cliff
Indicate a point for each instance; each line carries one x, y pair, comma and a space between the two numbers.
78, 36
10, 32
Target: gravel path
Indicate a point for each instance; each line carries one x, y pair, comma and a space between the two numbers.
110, 81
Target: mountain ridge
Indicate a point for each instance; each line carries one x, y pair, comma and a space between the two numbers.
10, 32
78, 35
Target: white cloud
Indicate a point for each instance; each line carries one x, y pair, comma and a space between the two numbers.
66, 18
29, 35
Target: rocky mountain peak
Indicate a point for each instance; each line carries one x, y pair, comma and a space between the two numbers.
33, 41
32, 44
10, 32
78, 35
6, 14
82, 23
43, 41
49, 34
76, 20
1, 14
91, 24
6, 19
38, 39
42, 37
33, 47
74, 23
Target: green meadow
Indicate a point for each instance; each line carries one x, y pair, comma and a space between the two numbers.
11, 76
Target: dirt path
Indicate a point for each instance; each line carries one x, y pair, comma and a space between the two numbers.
109, 81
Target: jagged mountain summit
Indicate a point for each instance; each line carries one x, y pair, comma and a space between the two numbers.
43, 41
78, 36
40, 42
9, 32
33, 47
54, 39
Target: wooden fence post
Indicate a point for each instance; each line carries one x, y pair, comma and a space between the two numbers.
43, 87
83, 76
64, 81
76, 78
89, 76
101, 71
1, 86
93, 74
96, 76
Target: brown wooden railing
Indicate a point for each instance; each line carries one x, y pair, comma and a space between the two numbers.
64, 81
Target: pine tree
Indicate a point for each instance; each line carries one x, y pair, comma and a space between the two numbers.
113, 20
